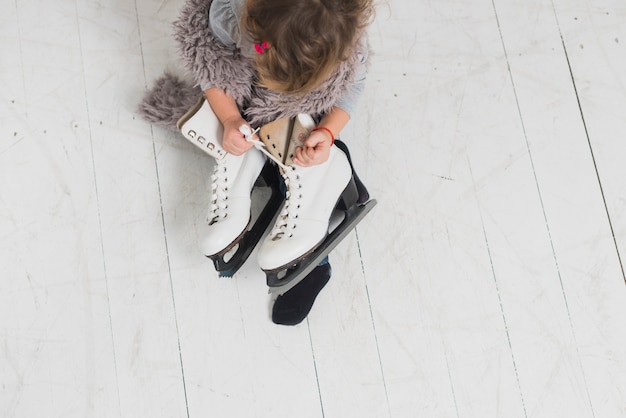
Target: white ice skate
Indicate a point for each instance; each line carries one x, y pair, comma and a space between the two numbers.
231, 186
312, 194
323, 204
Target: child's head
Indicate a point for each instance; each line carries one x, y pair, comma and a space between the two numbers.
307, 39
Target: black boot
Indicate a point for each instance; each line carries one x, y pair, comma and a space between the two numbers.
292, 307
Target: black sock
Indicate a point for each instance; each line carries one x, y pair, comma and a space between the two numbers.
292, 307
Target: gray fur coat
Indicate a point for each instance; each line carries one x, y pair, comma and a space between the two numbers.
209, 61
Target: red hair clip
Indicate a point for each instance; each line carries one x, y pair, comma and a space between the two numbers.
260, 48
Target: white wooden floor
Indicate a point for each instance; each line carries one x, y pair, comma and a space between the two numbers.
488, 282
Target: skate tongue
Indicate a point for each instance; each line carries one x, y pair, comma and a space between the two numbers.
276, 137
281, 138
248, 133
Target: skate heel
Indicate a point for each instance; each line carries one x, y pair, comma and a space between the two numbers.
364, 195
349, 197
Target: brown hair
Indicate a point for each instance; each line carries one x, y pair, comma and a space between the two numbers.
307, 39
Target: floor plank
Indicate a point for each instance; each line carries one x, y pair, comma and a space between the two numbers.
344, 340
591, 35
421, 295
57, 352
235, 360
143, 319
550, 369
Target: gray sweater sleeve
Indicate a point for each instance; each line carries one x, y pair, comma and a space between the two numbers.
224, 21
349, 100
225, 26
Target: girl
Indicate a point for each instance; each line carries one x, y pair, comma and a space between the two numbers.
262, 60
294, 45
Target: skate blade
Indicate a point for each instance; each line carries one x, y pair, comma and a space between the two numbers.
226, 258
228, 261
283, 280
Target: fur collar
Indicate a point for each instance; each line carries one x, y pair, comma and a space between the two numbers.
208, 61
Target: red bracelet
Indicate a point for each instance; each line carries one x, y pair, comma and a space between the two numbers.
322, 128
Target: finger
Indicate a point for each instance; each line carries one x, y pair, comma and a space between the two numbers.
314, 141
301, 159
320, 138
243, 147
314, 153
241, 143
313, 156
248, 134
236, 145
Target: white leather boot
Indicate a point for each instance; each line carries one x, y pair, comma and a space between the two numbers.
302, 224
231, 183
229, 209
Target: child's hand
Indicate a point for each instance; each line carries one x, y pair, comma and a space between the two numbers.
234, 142
316, 149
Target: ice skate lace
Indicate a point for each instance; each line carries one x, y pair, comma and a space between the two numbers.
286, 221
218, 204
